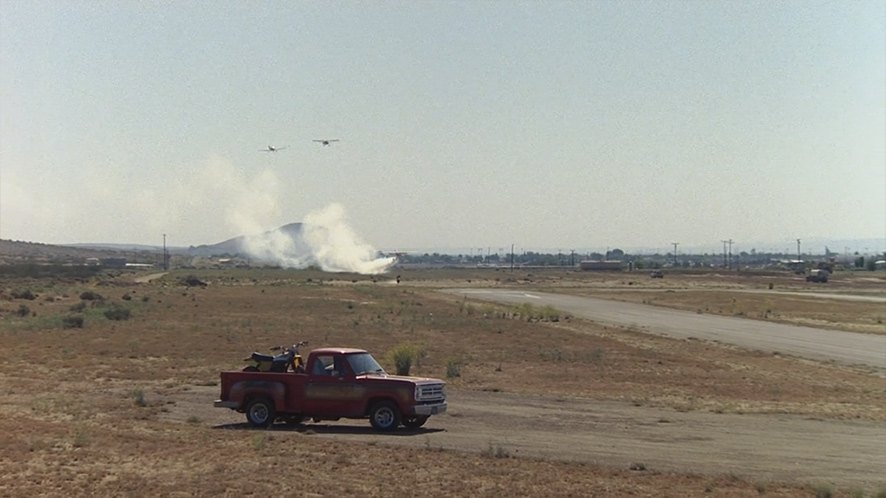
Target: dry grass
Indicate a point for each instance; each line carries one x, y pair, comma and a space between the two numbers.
83, 410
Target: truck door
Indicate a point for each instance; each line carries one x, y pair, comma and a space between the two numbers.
332, 388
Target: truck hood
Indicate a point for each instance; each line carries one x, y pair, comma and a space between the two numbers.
404, 378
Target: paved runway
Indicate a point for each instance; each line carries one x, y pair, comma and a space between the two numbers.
849, 348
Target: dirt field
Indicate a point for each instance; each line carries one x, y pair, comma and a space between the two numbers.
122, 407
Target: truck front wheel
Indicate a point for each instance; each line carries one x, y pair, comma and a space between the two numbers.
260, 413
384, 416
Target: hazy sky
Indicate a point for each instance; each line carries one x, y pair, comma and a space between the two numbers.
462, 124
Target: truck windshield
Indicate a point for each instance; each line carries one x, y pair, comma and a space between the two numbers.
364, 363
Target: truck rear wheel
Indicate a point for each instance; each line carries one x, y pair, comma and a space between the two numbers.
415, 422
260, 413
384, 416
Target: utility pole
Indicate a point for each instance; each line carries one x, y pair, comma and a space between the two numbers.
730, 253
572, 258
165, 255
675, 244
512, 257
799, 257
724, 252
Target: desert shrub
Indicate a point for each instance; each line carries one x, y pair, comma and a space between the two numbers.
192, 281
823, 490
496, 451
126, 297
117, 313
91, 296
80, 439
554, 355
72, 322
138, 397
549, 313
78, 308
453, 369
403, 355
259, 441
23, 310
24, 294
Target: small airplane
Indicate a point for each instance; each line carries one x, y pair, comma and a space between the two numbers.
327, 141
271, 148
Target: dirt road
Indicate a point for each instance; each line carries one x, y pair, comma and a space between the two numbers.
818, 344
143, 279
757, 447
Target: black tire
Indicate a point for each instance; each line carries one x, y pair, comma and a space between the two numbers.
384, 416
250, 369
260, 413
415, 422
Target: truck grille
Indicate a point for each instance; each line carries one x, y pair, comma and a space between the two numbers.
430, 392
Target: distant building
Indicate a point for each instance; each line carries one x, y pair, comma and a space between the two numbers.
113, 262
601, 265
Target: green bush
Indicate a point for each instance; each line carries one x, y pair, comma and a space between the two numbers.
403, 356
91, 296
138, 397
72, 322
117, 312
23, 310
25, 294
453, 369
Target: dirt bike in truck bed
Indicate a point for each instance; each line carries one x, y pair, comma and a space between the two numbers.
336, 383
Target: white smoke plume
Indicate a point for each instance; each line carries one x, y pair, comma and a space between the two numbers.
336, 247
326, 240
250, 203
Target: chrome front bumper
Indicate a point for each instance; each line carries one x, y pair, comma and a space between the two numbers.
435, 409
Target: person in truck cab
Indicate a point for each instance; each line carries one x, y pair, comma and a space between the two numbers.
323, 365
329, 366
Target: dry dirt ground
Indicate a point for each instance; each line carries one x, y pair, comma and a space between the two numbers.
542, 404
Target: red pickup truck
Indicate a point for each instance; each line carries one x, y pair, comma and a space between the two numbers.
336, 383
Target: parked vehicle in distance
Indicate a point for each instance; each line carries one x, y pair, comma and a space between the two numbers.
336, 383
656, 274
817, 276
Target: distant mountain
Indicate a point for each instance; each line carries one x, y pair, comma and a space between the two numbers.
238, 245
116, 247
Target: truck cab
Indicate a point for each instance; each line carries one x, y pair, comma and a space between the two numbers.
336, 383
